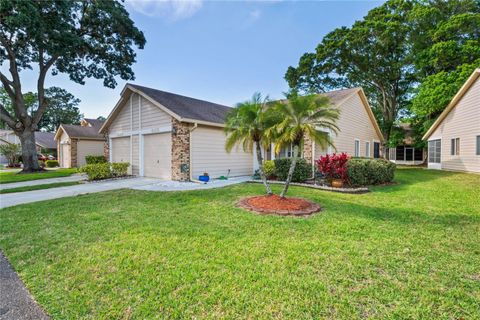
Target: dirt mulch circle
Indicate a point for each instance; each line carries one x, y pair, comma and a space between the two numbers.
273, 204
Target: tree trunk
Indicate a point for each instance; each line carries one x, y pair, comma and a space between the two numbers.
260, 166
29, 152
293, 164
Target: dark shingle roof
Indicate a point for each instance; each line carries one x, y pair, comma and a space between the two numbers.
75, 131
46, 139
187, 107
338, 96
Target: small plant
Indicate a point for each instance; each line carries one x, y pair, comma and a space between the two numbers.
97, 171
41, 163
92, 159
120, 169
364, 172
269, 168
52, 163
302, 171
334, 166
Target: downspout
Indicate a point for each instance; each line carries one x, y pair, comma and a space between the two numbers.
195, 125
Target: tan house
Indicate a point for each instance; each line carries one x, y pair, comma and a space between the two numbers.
359, 133
44, 142
74, 142
169, 136
454, 139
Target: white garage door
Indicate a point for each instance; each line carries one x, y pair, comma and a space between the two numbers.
209, 155
157, 159
120, 149
65, 155
88, 148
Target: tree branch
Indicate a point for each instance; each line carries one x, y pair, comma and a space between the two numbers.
42, 102
5, 116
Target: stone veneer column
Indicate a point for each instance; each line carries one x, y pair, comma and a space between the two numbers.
73, 152
308, 149
106, 146
180, 150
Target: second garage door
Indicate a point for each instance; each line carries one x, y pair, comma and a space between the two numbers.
157, 159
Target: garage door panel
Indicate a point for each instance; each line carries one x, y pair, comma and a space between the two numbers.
88, 148
120, 149
157, 157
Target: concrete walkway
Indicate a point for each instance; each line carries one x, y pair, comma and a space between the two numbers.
13, 199
183, 186
15, 300
75, 177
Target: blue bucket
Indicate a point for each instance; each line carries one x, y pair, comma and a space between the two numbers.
204, 178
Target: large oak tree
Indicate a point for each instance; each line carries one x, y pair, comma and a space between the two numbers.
84, 39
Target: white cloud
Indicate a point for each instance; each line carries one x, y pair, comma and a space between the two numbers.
172, 9
255, 14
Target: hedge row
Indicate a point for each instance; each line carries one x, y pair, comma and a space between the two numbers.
95, 159
363, 172
99, 171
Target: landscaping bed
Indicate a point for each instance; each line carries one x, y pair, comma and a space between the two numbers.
274, 204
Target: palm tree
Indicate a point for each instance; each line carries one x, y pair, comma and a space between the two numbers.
302, 116
246, 125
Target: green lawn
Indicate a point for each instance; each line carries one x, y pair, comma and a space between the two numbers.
39, 187
406, 251
10, 177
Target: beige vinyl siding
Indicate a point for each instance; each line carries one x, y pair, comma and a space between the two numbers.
121, 123
135, 112
208, 154
463, 122
153, 117
88, 148
135, 155
354, 123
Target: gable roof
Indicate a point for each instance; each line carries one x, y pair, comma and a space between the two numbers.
458, 96
85, 132
189, 109
45, 139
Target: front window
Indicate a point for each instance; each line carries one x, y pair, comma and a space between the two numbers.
357, 148
367, 149
434, 151
455, 147
478, 145
287, 152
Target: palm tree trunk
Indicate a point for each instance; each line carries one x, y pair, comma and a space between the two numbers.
260, 166
293, 164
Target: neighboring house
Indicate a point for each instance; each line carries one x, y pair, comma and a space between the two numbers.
45, 142
405, 153
169, 136
77, 141
359, 134
454, 139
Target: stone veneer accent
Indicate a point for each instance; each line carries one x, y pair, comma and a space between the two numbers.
307, 149
73, 152
180, 150
106, 146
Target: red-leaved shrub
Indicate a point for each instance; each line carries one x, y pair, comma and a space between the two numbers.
334, 166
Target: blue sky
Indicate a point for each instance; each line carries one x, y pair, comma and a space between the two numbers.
218, 51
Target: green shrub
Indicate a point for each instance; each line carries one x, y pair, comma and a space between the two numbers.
41, 163
97, 171
95, 159
119, 169
52, 163
362, 172
302, 172
269, 168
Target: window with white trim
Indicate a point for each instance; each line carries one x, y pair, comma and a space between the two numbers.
357, 148
478, 145
367, 149
455, 147
434, 151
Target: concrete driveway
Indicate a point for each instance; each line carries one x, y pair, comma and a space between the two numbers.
13, 199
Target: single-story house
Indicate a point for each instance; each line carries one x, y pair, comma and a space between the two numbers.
170, 136
405, 152
359, 134
454, 138
45, 142
74, 142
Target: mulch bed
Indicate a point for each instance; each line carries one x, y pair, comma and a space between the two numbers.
273, 204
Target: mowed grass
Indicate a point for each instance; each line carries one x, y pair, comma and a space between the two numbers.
14, 176
406, 251
39, 187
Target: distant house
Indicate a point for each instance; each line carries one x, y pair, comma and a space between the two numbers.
45, 142
405, 153
173, 137
74, 142
359, 134
454, 139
